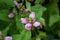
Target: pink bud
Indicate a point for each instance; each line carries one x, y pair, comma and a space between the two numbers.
28, 26
11, 15
32, 15
8, 38
25, 10
16, 3
24, 20
36, 24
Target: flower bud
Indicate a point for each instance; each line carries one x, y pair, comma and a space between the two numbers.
25, 10
24, 20
16, 3
36, 24
32, 15
11, 15
28, 26
8, 38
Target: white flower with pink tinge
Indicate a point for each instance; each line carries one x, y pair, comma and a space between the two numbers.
36, 24
11, 15
8, 38
28, 26
32, 15
24, 20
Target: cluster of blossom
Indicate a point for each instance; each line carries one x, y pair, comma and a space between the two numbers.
30, 22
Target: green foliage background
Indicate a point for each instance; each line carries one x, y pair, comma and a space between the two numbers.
47, 12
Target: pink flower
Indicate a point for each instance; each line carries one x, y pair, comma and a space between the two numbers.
36, 24
32, 15
28, 26
16, 3
11, 15
24, 20
25, 10
8, 38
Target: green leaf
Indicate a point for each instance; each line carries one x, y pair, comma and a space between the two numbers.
25, 15
49, 37
38, 9
42, 34
42, 20
25, 35
38, 38
54, 17
39, 1
3, 6
28, 5
7, 2
19, 25
19, 36
6, 30
4, 15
